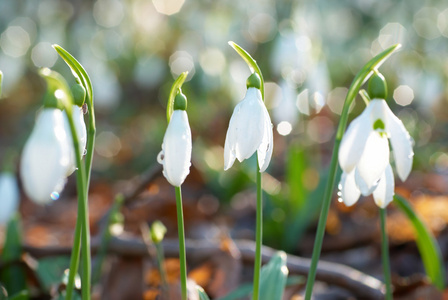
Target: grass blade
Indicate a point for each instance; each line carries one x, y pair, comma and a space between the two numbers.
426, 243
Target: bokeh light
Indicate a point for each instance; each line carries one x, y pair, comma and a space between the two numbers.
107, 144
403, 95
168, 7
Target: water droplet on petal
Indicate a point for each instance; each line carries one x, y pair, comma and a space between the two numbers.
160, 157
54, 196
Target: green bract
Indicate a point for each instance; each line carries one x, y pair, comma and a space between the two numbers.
377, 86
253, 81
77, 69
79, 94
250, 62
180, 101
175, 88
58, 94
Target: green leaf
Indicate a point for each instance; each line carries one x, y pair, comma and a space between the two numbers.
13, 275
246, 289
49, 270
22, 295
177, 85
79, 70
253, 66
295, 169
273, 277
114, 216
426, 243
201, 293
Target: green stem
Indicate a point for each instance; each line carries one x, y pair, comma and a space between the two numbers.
105, 238
83, 211
181, 233
362, 76
83, 223
160, 261
385, 254
258, 237
322, 220
74, 259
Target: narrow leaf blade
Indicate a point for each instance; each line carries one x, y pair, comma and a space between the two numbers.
202, 294
13, 276
426, 243
273, 278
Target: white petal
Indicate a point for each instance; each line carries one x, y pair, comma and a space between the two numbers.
365, 189
354, 141
349, 192
177, 148
45, 157
378, 110
9, 197
384, 193
264, 151
80, 126
249, 124
401, 144
78, 118
230, 143
374, 159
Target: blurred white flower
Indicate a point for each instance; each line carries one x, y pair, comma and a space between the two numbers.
285, 109
250, 130
45, 157
80, 125
364, 155
9, 195
176, 149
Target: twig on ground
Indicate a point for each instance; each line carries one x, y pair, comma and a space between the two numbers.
361, 285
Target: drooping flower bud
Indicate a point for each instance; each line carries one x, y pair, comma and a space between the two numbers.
176, 149
250, 129
364, 154
45, 157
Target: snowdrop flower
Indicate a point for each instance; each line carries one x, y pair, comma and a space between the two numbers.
45, 157
9, 196
364, 155
176, 148
250, 129
80, 126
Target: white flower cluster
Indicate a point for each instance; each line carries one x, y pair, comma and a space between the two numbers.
364, 155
